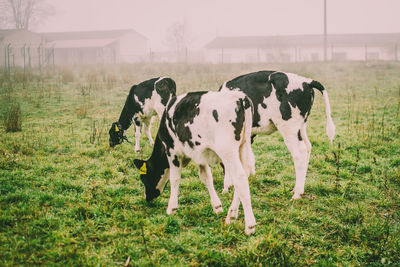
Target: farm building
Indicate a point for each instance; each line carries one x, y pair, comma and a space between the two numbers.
21, 48
298, 48
97, 47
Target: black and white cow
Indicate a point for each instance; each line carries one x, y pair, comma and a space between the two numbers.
144, 102
206, 127
282, 101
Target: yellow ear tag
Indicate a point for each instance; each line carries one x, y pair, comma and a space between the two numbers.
116, 128
143, 169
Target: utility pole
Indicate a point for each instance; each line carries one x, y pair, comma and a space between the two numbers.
325, 34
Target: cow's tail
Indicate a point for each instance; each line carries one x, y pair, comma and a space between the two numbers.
247, 155
330, 126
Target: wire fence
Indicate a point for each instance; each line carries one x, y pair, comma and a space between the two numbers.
26, 56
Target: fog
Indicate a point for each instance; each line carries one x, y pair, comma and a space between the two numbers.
207, 19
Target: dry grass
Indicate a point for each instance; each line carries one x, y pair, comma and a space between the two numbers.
13, 118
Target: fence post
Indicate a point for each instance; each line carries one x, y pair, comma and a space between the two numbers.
40, 57
8, 48
24, 54
5, 58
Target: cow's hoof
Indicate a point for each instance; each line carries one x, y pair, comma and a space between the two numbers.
218, 209
229, 219
232, 215
171, 211
250, 229
296, 196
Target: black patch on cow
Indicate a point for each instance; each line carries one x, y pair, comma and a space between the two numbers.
317, 85
263, 105
238, 123
166, 88
197, 143
301, 97
246, 102
131, 107
199, 136
137, 121
255, 85
144, 90
176, 162
299, 136
252, 138
215, 115
185, 112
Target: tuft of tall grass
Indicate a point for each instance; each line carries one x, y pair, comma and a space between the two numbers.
67, 76
13, 118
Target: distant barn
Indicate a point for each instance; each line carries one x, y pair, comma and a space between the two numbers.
97, 47
300, 48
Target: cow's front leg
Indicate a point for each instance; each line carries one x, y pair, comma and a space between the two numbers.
174, 179
147, 130
137, 133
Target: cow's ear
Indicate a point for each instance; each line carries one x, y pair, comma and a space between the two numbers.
139, 163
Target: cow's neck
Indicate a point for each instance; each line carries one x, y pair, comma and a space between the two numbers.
158, 157
125, 119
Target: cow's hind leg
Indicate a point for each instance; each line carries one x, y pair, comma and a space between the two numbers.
235, 171
207, 179
300, 152
307, 142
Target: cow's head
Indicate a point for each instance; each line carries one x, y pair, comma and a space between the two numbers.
151, 178
116, 134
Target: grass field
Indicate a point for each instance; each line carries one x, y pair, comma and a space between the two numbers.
67, 199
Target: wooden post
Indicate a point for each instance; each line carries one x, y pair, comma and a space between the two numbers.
8, 48
24, 54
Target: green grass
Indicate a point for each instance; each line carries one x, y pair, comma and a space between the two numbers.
66, 198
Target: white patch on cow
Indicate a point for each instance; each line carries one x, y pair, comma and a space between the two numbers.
163, 181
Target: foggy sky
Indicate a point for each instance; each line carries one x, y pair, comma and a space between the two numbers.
206, 19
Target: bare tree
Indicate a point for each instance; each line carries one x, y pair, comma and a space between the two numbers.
178, 39
22, 14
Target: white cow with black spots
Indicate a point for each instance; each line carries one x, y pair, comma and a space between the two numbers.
206, 127
144, 102
282, 101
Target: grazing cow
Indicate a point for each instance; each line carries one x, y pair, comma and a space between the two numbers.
282, 101
206, 127
144, 102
